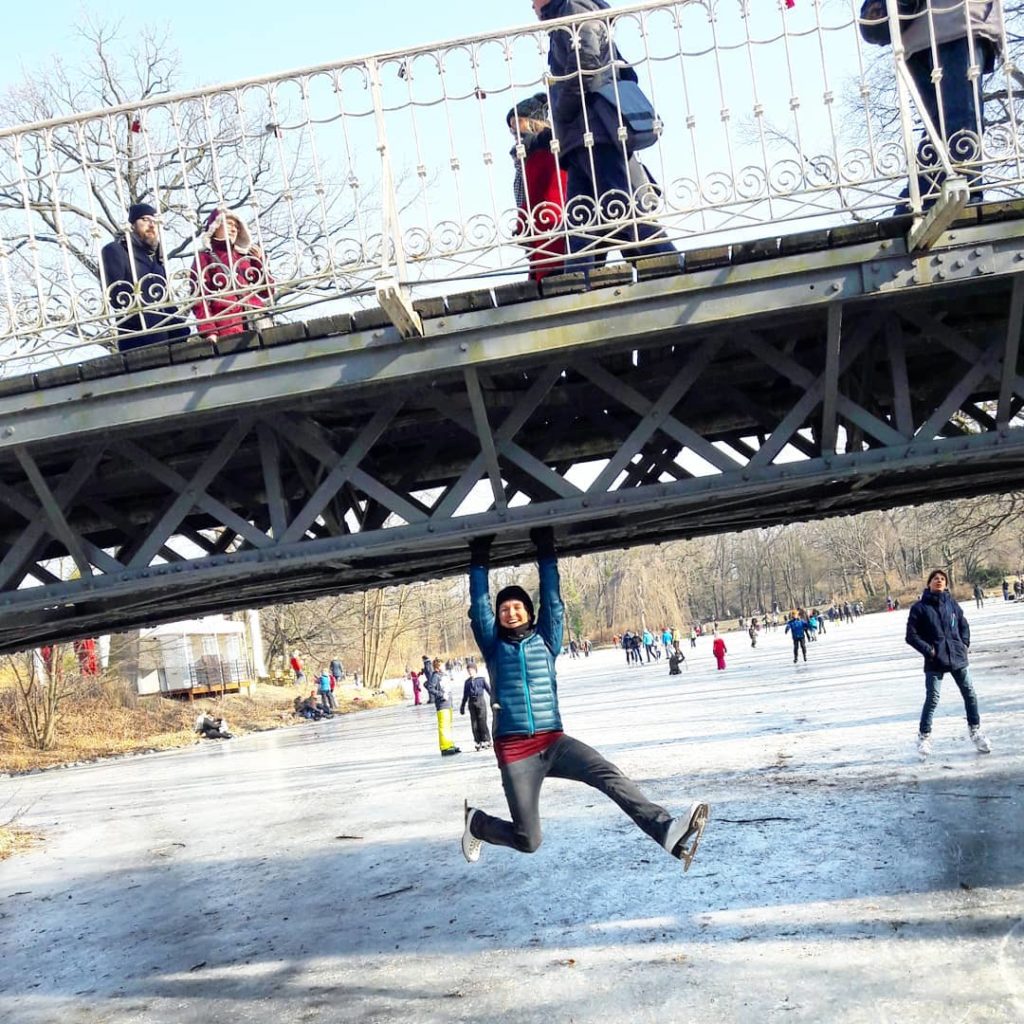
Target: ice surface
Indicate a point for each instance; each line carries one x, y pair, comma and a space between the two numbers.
840, 880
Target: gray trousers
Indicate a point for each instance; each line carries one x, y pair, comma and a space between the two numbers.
567, 758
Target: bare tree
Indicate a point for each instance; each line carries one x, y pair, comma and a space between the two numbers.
43, 681
65, 190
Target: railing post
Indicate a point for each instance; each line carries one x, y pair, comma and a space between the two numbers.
392, 291
928, 225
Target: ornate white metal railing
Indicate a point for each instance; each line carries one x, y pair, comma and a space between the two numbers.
398, 174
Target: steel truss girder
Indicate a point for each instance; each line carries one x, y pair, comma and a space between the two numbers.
691, 422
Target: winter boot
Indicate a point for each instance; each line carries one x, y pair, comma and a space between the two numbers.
924, 744
980, 740
470, 844
684, 833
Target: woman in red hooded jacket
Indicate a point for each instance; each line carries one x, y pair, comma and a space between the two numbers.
230, 278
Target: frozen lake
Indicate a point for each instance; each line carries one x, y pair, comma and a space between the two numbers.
315, 874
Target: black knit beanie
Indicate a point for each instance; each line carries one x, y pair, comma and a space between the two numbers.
533, 107
514, 593
140, 210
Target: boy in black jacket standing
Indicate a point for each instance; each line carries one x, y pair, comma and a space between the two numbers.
475, 694
938, 630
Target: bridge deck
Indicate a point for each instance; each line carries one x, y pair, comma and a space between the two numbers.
765, 382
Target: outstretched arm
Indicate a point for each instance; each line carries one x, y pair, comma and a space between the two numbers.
551, 613
481, 614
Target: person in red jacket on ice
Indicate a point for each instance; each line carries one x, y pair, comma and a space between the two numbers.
718, 650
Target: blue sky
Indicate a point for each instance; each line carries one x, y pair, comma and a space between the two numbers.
219, 41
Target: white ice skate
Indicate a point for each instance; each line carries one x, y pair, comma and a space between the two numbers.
470, 844
980, 741
684, 833
924, 745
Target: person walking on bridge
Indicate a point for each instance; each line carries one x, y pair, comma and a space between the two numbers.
937, 629
135, 280
599, 188
520, 646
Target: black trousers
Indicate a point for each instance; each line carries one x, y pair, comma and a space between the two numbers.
567, 758
478, 710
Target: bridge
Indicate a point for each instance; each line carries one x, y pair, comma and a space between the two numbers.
804, 354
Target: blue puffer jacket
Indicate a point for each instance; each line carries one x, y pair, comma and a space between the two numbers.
797, 627
937, 629
522, 674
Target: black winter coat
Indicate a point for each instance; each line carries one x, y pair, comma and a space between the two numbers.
120, 276
937, 629
595, 58
474, 690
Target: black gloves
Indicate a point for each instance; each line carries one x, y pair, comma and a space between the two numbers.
480, 549
543, 538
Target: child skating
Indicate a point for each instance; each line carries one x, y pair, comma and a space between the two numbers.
475, 693
520, 648
718, 649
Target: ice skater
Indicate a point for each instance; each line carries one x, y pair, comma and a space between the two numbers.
475, 693
520, 648
439, 687
718, 649
797, 628
937, 629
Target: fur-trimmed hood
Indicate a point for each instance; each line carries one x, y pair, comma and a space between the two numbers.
244, 241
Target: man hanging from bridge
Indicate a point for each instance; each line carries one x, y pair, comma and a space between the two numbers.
520, 648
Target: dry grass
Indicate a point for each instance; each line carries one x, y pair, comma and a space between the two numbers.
95, 727
15, 840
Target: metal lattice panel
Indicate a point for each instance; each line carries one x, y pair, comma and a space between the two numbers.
811, 385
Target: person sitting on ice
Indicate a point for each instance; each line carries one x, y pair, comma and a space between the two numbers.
210, 727
520, 648
307, 707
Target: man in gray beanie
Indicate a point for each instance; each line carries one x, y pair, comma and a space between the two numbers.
135, 282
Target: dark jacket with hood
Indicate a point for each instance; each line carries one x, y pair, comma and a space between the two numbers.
579, 73
937, 629
121, 271
522, 670
439, 689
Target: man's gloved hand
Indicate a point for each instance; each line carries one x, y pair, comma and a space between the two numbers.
462, 711
480, 549
543, 538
